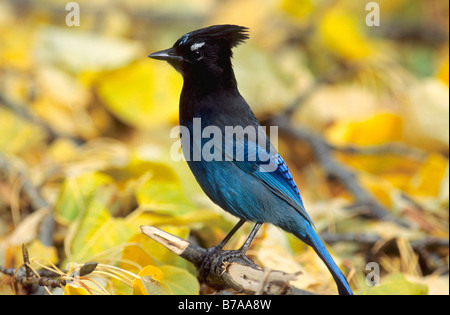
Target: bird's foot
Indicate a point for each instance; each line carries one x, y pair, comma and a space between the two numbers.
215, 257
206, 262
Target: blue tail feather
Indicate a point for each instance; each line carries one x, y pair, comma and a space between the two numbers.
316, 243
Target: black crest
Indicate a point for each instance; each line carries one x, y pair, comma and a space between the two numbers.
232, 35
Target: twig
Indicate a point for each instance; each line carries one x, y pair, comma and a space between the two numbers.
371, 239
36, 200
7, 271
429, 34
26, 262
43, 273
43, 282
26, 277
237, 273
387, 148
24, 112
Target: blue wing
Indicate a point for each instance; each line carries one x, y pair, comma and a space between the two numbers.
268, 167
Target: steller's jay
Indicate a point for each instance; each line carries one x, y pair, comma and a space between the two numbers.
256, 185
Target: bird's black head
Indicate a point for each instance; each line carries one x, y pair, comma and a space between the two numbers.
205, 53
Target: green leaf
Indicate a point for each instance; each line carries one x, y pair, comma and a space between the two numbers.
96, 232
17, 135
396, 285
165, 197
152, 287
165, 280
76, 194
180, 281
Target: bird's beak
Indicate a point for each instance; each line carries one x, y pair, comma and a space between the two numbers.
167, 55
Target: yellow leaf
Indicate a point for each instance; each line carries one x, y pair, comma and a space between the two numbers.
137, 97
443, 72
427, 181
150, 282
75, 289
17, 135
36, 250
398, 179
57, 115
16, 43
137, 252
62, 88
62, 150
342, 34
153, 272
379, 129
47, 253
297, 9
379, 187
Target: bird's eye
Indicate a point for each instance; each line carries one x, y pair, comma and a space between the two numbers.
195, 49
197, 54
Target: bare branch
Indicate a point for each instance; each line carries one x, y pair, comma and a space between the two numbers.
237, 273
392, 148
36, 200
26, 277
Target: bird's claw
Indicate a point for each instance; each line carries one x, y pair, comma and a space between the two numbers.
215, 257
207, 258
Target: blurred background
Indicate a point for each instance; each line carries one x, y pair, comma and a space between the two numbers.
85, 120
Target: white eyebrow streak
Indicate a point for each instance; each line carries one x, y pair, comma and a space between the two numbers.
197, 46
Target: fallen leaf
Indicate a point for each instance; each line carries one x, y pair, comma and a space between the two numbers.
395, 285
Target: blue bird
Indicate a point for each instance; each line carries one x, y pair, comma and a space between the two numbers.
242, 173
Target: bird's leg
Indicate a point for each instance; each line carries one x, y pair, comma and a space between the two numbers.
217, 251
230, 235
250, 238
212, 252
